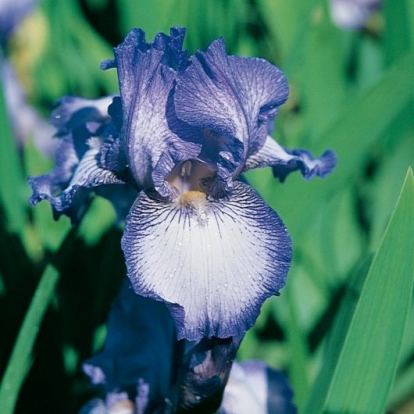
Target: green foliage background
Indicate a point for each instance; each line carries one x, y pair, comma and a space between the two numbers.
343, 328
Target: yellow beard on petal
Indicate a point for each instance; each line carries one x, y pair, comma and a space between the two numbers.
196, 202
187, 178
193, 199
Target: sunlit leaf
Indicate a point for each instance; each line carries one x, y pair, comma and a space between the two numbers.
361, 376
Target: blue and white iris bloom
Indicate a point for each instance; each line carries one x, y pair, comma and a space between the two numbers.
180, 135
142, 369
135, 368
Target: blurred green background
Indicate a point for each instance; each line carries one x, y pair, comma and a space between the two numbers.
343, 328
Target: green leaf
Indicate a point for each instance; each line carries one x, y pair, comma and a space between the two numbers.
382, 191
148, 16
13, 188
21, 358
404, 383
397, 29
99, 218
363, 372
47, 233
319, 76
288, 24
297, 343
351, 136
403, 387
337, 337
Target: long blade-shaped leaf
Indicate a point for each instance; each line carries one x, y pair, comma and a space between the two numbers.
13, 188
20, 360
362, 375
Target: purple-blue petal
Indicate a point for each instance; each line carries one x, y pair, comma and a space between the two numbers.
72, 112
147, 73
309, 166
139, 347
171, 47
82, 126
254, 387
213, 263
65, 188
233, 96
284, 161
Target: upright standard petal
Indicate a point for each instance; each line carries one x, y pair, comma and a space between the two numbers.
233, 96
213, 262
147, 73
284, 161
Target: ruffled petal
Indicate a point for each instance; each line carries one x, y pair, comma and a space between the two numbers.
254, 387
147, 73
213, 262
233, 96
83, 125
87, 174
284, 161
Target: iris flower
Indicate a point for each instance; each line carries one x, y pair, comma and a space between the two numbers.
143, 369
178, 138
